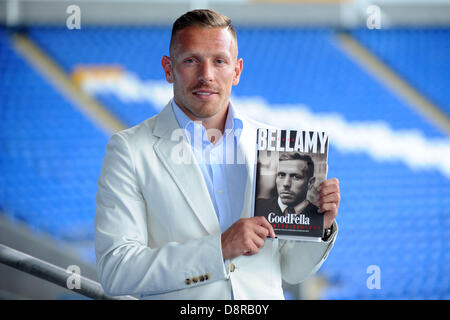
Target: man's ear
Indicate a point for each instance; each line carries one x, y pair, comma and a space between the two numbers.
237, 71
311, 182
166, 63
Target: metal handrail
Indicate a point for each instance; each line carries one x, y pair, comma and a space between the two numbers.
52, 273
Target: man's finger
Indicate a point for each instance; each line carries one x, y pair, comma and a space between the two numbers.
332, 181
251, 246
330, 198
258, 241
262, 221
328, 208
261, 231
328, 186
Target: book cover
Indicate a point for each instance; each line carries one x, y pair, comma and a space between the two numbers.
291, 164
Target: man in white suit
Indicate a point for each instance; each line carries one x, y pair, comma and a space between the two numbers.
175, 221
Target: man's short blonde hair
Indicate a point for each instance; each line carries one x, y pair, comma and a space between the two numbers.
201, 18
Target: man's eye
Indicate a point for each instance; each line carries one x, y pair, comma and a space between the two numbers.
191, 60
281, 174
220, 61
297, 177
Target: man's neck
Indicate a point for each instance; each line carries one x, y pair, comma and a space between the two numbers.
216, 122
214, 125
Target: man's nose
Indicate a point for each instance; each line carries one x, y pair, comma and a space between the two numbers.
206, 72
286, 182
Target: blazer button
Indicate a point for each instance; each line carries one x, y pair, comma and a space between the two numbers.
232, 267
195, 279
201, 278
187, 281
207, 276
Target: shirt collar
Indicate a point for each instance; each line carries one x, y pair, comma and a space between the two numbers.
298, 208
233, 122
281, 205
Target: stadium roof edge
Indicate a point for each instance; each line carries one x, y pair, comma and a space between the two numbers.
341, 14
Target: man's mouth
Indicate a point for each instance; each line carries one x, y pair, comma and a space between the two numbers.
204, 93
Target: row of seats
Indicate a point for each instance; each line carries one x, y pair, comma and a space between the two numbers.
421, 56
50, 153
283, 65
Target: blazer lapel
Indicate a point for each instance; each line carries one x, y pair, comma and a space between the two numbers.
176, 155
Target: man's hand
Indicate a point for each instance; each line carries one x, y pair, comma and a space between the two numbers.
329, 198
246, 237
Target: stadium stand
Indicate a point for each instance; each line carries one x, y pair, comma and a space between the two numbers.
319, 73
419, 55
51, 154
391, 216
137, 50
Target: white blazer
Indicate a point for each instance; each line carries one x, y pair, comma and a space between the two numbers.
156, 232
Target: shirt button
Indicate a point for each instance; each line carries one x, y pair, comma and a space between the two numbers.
232, 267
219, 191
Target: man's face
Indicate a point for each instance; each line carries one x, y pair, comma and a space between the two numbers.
203, 68
292, 181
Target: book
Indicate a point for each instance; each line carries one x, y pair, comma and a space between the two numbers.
291, 164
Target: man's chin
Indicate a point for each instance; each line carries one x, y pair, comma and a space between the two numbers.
287, 201
205, 110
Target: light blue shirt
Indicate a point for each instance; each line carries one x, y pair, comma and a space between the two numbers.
224, 175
